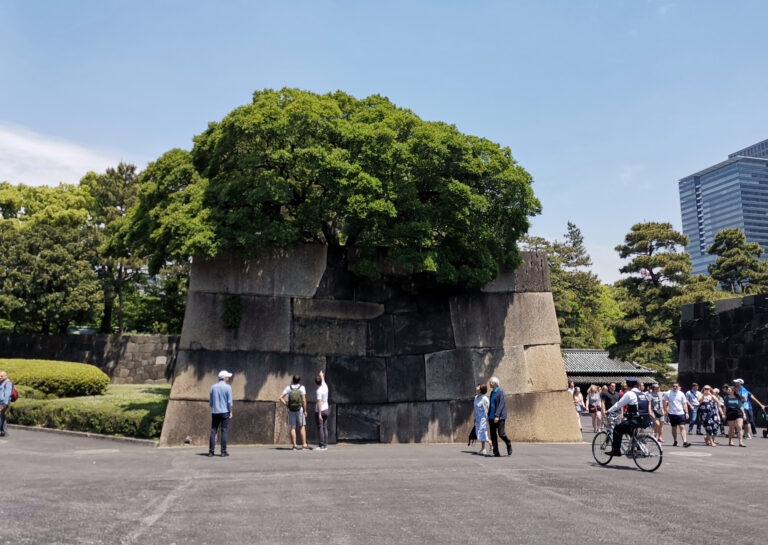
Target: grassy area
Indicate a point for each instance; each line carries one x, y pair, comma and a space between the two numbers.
129, 410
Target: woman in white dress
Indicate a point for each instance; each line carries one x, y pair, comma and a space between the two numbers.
481, 417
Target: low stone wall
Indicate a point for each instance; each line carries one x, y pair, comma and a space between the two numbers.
127, 359
402, 355
726, 340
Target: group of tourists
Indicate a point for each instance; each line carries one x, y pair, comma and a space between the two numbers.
491, 418
710, 410
294, 397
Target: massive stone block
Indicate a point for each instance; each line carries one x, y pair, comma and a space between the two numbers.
265, 324
257, 376
402, 355
293, 272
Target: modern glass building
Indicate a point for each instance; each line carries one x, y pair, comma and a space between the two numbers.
730, 194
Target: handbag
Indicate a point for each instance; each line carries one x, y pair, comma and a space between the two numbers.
472, 436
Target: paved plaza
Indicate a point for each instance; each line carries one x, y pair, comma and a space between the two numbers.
60, 488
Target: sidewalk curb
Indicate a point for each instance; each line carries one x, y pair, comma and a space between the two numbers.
144, 442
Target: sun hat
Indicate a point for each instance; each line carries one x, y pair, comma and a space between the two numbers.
224, 374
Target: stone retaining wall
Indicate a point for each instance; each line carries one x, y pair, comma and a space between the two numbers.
726, 340
127, 359
402, 355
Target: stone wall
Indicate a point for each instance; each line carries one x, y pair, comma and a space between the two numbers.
127, 359
726, 340
402, 355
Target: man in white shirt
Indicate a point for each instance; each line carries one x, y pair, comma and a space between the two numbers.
693, 395
321, 410
678, 408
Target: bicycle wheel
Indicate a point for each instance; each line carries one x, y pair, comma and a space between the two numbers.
601, 448
647, 453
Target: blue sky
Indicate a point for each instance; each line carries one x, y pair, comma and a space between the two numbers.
606, 103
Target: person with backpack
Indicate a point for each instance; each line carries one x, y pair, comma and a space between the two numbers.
6, 388
295, 398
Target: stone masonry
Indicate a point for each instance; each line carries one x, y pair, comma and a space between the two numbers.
401, 355
126, 359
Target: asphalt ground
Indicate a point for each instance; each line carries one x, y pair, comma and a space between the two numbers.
60, 488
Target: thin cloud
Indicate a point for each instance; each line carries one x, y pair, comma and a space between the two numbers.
36, 159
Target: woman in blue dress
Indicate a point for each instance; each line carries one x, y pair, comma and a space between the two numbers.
481, 417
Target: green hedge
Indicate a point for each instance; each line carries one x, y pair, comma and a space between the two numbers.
125, 410
61, 378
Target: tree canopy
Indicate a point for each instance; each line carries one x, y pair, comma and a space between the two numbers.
738, 267
295, 166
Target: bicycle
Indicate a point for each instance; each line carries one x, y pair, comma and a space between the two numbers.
642, 447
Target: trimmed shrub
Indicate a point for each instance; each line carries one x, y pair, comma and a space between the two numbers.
27, 392
125, 410
60, 378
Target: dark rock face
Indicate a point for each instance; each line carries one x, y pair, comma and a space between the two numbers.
724, 341
401, 355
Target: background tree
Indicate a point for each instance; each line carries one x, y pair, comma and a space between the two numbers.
658, 269
738, 267
47, 249
295, 166
111, 195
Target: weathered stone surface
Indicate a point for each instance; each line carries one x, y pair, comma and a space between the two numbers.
462, 419
453, 374
422, 333
293, 272
336, 283
531, 320
697, 356
359, 380
428, 422
265, 325
336, 309
406, 379
283, 430
478, 319
252, 423
329, 337
381, 336
358, 422
540, 369
542, 417
257, 376
531, 276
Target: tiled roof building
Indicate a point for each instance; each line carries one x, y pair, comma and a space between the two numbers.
592, 366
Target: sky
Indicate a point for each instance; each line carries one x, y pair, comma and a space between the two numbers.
606, 103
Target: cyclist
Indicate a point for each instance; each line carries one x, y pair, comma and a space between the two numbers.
638, 413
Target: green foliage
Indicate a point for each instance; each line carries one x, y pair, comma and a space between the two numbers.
47, 249
156, 305
125, 410
738, 267
294, 166
27, 392
583, 306
61, 378
658, 273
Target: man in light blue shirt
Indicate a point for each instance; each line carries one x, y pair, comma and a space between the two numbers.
746, 399
221, 411
5, 399
692, 396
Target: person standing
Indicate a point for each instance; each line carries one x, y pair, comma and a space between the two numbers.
594, 406
709, 415
481, 417
295, 398
610, 398
578, 403
497, 417
693, 396
321, 411
6, 387
677, 407
657, 410
747, 398
734, 415
220, 400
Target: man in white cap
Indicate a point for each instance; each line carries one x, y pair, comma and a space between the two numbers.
221, 411
746, 399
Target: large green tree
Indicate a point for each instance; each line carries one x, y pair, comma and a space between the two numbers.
738, 267
110, 196
47, 250
657, 272
295, 166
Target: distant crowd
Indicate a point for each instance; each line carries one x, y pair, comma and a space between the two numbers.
728, 411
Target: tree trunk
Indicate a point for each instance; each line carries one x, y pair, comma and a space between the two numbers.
121, 302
